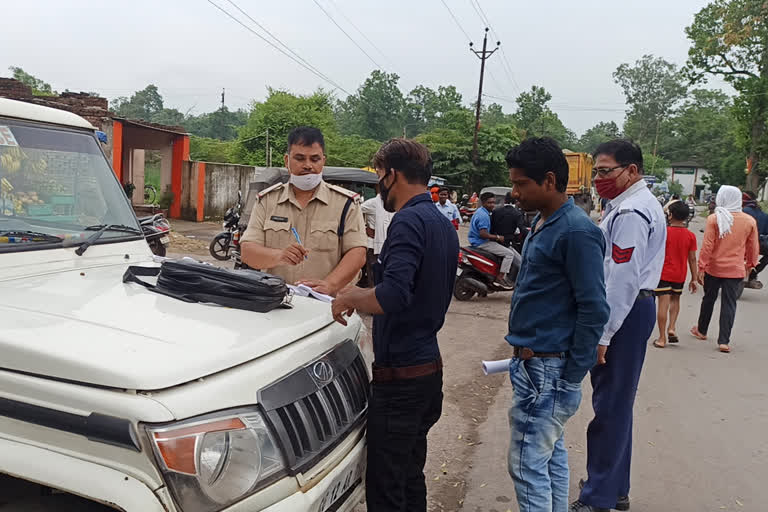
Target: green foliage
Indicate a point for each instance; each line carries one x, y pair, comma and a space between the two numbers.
655, 166
39, 87
601, 132
493, 115
652, 87
166, 199
675, 188
425, 108
206, 149
220, 124
376, 111
536, 119
147, 105
350, 150
729, 39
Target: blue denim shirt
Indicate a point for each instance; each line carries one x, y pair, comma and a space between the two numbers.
414, 284
559, 303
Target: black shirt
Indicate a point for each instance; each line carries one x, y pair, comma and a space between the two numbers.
506, 220
414, 275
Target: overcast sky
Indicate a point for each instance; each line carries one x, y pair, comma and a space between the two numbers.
190, 50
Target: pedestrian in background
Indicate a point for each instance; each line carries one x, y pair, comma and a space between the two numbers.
680, 250
414, 275
749, 206
729, 252
480, 236
447, 208
556, 319
508, 220
635, 232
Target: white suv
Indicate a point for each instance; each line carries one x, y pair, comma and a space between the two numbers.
113, 397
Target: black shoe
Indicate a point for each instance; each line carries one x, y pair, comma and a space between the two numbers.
622, 502
578, 506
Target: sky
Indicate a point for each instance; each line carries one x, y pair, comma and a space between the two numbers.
191, 50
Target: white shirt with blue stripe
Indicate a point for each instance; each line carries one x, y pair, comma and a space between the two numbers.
450, 211
635, 233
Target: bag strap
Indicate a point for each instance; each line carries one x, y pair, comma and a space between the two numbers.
131, 276
343, 220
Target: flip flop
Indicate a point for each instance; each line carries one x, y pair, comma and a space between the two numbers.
696, 334
672, 337
725, 349
656, 344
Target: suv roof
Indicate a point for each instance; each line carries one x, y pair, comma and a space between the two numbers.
24, 110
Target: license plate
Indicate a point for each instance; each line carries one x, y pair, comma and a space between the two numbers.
339, 486
165, 240
458, 272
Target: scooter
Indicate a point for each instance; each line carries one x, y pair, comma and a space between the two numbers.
156, 230
478, 270
229, 240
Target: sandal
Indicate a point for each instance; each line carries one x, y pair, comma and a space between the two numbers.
725, 349
672, 337
657, 345
696, 334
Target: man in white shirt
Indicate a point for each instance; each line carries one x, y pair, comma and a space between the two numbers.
447, 208
635, 233
377, 221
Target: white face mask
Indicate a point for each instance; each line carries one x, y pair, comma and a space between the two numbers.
306, 181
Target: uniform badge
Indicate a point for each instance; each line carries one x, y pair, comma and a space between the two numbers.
622, 255
278, 219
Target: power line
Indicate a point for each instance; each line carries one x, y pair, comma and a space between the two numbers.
564, 106
505, 60
262, 27
358, 30
455, 20
270, 43
347, 34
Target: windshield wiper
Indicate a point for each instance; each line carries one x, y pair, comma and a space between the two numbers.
32, 236
101, 228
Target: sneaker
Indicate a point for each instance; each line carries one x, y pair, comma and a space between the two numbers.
578, 506
622, 502
754, 284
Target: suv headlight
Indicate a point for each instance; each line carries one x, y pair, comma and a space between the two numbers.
213, 461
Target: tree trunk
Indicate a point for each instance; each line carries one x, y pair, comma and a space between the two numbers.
757, 132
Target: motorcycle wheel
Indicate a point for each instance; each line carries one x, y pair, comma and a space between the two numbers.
219, 247
158, 249
461, 291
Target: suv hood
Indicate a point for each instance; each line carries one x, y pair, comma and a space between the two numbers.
87, 326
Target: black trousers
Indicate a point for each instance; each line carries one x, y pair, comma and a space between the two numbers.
712, 286
400, 414
760, 266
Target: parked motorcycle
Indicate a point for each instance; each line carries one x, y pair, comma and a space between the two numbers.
478, 270
226, 244
156, 230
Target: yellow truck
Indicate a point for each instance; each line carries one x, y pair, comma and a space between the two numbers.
580, 178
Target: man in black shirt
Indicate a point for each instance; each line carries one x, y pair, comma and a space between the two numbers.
507, 219
414, 283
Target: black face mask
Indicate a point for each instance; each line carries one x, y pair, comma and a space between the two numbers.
384, 192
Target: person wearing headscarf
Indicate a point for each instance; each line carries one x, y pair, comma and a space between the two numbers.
728, 254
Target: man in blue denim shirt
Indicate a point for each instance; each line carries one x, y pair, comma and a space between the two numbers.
555, 323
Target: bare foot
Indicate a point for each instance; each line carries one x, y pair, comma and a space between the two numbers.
659, 344
696, 334
724, 348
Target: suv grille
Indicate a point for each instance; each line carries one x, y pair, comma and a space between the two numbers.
312, 409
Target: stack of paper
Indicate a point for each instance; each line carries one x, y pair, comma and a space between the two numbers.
303, 290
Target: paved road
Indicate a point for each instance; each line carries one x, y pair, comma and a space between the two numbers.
701, 417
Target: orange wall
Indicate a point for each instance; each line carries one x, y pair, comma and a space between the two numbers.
180, 153
117, 149
200, 191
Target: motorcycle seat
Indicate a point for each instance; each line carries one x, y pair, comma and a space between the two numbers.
483, 253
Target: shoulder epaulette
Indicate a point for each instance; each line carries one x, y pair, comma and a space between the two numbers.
346, 193
269, 189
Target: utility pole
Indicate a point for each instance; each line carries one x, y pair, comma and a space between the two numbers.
222, 98
483, 56
266, 154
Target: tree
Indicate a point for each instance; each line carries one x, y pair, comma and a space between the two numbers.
280, 113
220, 124
425, 108
601, 132
729, 39
147, 104
535, 118
376, 111
39, 87
493, 115
652, 88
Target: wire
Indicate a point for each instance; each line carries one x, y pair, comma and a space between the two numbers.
262, 27
347, 34
358, 30
505, 60
564, 106
270, 43
455, 20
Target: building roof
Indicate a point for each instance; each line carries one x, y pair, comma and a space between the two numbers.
178, 130
687, 163
24, 110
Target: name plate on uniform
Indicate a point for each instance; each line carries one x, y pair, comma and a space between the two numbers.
278, 219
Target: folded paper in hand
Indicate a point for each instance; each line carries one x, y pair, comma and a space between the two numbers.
303, 290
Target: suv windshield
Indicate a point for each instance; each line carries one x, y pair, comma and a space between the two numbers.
55, 183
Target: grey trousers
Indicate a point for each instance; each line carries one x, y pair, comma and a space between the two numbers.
510, 256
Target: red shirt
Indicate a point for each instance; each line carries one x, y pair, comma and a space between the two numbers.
680, 242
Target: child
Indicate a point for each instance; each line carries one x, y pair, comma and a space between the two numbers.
681, 246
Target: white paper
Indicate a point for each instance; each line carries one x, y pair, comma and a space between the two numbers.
490, 367
303, 290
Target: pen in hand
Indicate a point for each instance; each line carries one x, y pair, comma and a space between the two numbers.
298, 238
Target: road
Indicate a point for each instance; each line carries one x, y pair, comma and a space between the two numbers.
701, 417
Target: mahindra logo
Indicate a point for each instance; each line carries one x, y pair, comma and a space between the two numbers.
323, 372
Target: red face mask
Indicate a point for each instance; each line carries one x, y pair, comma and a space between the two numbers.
607, 188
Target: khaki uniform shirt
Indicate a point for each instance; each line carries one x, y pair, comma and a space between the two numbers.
277, 210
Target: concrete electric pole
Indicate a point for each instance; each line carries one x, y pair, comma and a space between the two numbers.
483, 56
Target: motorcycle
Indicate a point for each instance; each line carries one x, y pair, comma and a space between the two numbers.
229, 240
478, 271
156, 230
466, 212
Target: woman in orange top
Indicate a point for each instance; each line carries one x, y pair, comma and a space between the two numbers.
729, 252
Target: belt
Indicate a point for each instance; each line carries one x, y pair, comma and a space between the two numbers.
406, 372
644, 294
526, 353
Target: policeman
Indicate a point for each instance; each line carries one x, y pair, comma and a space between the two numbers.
635, 233
306, 231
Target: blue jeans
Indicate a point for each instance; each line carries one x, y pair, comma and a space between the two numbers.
541, 405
